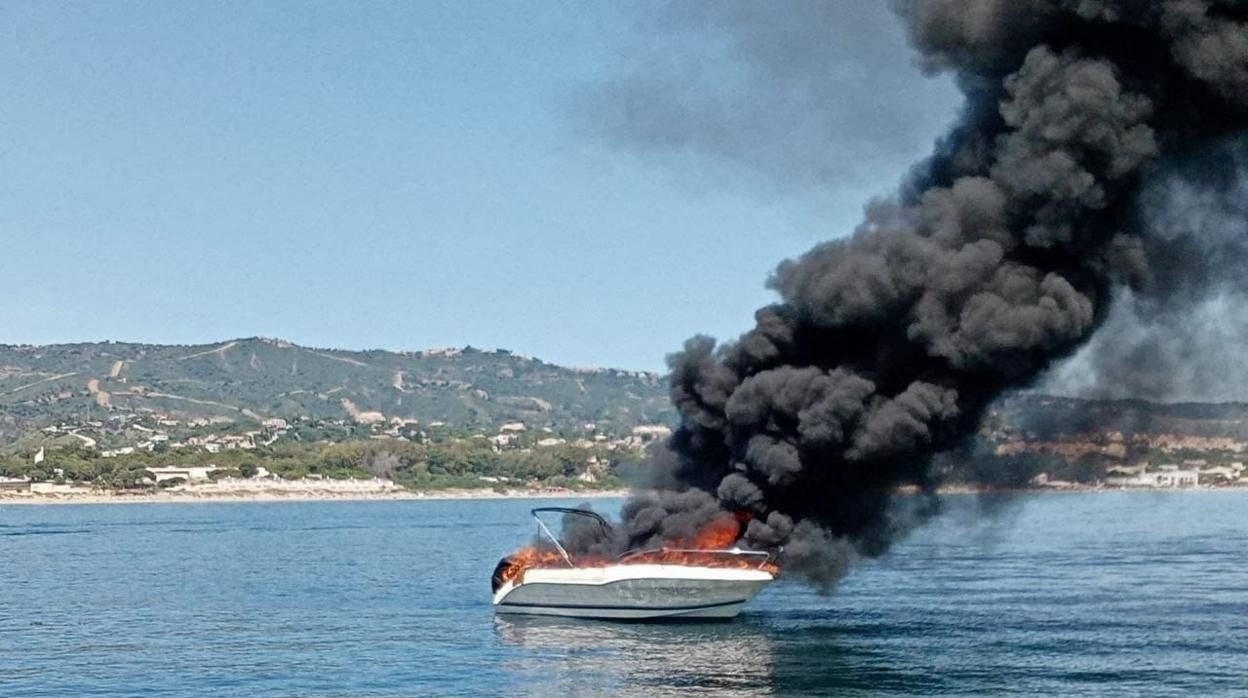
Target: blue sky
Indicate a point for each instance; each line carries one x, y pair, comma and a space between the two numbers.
410, 175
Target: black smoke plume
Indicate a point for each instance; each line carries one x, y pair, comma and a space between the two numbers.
1001, 255
1181, 336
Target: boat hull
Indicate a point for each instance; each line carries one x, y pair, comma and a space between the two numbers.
633, 592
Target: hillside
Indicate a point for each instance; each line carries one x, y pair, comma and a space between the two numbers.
1044, 418
253, 379
245, 381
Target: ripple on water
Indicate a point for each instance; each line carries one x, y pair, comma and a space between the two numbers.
1080, 594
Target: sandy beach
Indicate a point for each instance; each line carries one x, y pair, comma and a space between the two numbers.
331, 491
383, 490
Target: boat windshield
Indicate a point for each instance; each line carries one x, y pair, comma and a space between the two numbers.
571, 517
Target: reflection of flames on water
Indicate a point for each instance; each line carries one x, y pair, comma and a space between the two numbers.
719, 535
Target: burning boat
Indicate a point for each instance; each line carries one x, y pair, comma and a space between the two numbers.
706, 580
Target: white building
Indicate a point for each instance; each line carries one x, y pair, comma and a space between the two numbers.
1216, 474
1166, 476
113, 452
1177, 478
191, 473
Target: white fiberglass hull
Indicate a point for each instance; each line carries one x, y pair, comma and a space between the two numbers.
632, 592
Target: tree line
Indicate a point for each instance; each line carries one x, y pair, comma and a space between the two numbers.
419, 466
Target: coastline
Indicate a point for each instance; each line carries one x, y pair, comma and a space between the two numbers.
329, 495
392, 494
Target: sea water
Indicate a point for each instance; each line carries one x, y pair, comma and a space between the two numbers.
1056, 594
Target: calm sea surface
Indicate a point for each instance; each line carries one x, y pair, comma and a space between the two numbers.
1077, 594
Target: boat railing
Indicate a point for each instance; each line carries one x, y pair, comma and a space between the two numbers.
764, 556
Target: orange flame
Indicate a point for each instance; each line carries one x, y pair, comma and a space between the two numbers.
720, 534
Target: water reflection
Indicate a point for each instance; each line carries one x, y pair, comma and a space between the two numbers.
812, 648
585, 657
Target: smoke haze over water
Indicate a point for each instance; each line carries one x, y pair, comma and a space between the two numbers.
1093, 181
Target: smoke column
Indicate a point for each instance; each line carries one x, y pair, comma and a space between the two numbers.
1181, 337
1002, 254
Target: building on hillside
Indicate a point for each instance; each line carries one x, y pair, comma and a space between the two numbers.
1218, 475
1167, 476
192, 473
1177, 478
233, 442
113, 452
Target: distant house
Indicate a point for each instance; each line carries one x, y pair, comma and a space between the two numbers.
236, 441
1177, 478
512, 426
370, 417
193, 473
1218, 474
1166, 476
113, 452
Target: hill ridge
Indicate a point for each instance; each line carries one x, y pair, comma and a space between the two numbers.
258, 377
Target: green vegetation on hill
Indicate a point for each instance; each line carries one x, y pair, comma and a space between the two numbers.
461, 463
106, 413
252, 379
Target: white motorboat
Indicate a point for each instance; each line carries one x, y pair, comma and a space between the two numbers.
668, 583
